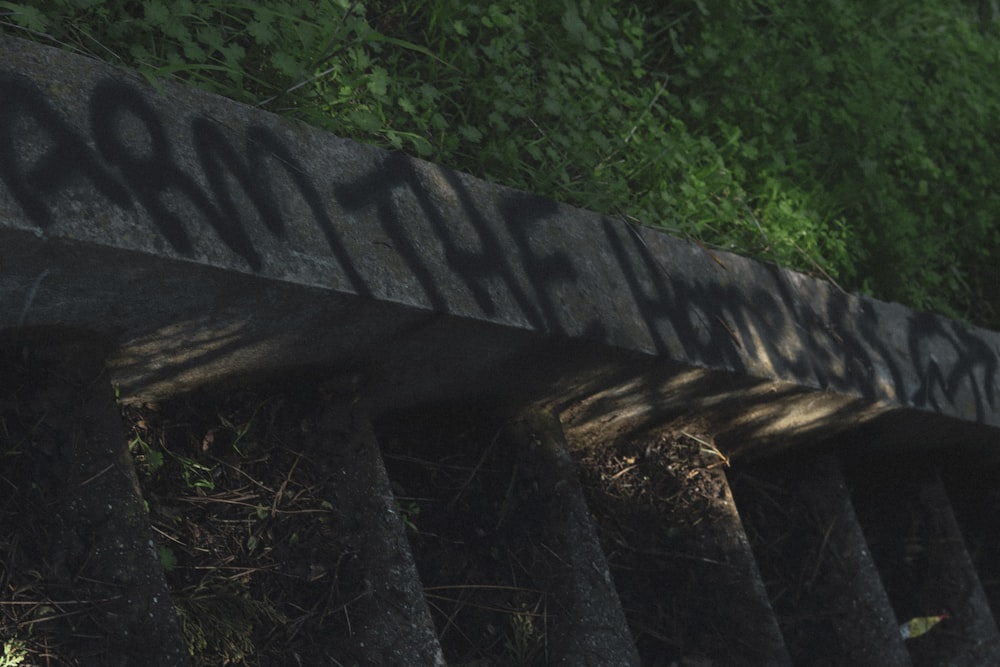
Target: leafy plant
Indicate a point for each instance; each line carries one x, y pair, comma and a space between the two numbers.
168, 559
151, 458
15, 652
853, 141
409, 510
196, 475
879, 114
525, 641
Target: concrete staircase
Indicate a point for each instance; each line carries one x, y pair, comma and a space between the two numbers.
814, 557
813, 468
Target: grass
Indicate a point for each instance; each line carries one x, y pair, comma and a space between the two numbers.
817, 140
219, 618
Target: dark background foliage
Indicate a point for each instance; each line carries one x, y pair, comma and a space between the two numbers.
851, 140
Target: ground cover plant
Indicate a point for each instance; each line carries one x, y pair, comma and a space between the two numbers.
852, 141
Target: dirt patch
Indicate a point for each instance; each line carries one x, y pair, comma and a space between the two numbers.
261, 526
666, 520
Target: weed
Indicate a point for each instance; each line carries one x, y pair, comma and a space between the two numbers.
150, 458
708, 447
168, 559
526, 642
15, 652
218, 618
196, 475
408, 512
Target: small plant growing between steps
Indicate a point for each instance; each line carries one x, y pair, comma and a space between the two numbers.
526, 641
15, 652
218, 618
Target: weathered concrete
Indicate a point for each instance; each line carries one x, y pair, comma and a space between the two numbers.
824, 585
206, 239
916, 542
392, 625
86, 528
588, 626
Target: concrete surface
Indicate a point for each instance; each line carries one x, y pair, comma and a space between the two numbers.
206, 240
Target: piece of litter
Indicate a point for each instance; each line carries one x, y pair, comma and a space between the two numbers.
919, 625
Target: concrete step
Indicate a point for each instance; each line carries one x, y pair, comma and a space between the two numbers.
918, 547
485, 538
205, 240
281, 249
392, 622
83, 571
291, 502
503, 538
822, 581
678, 551
591, 629
188, 241
82, 580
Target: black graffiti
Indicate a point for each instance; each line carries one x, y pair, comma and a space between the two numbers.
692, 313
154, 175
720, 323
25, 111
974, 364
375, 189
547, 272
264, 148
150, 175
134, 163
477, 268
707, 319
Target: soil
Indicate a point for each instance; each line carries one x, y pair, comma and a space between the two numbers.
243, 502
667, 523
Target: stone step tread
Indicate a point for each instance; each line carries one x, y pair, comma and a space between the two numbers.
765, 643
669, 525
809, 545
593, 631
393, 624
80, 545
917, 544
504, 539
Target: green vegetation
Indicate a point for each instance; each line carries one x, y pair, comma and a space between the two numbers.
218, 617
851, 140
15, 652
